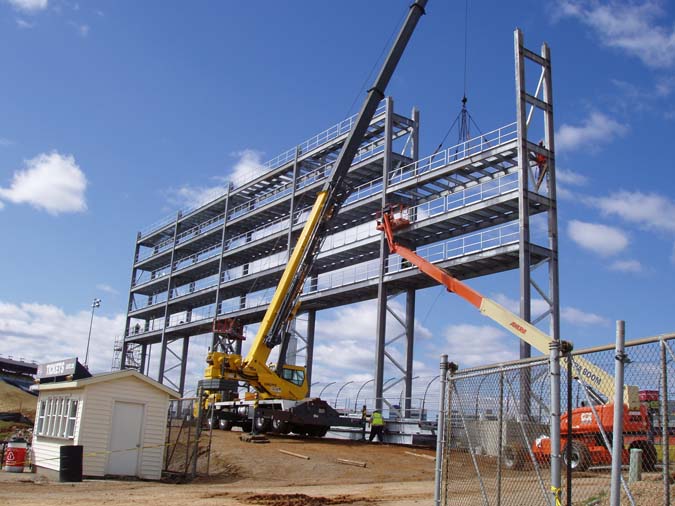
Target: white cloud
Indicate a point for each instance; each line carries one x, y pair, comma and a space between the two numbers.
472, 345
568, 314
600, 239
107, 288
52, 182
650, 210
22, 23
581, 318
4, 142
194, 196
44, 332
629, 26
248, 166
345, 339
596, 129
29, 6
570, 177
626, 266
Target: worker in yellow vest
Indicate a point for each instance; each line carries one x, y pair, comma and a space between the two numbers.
376, 426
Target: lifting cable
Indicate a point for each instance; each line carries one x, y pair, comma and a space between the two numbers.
464, 117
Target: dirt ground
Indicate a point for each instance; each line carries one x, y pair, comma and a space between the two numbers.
246, 473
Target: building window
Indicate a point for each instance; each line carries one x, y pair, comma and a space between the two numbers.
56, 417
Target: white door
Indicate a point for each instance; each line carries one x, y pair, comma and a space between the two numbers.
125, 439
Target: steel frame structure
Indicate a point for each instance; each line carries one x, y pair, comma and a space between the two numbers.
470, 206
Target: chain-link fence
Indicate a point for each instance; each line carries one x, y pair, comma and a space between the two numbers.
187, 445
496, 447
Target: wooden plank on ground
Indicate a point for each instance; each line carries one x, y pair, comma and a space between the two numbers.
430, 457
295, 454
351, 462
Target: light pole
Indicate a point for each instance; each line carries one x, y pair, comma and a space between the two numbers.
95, 303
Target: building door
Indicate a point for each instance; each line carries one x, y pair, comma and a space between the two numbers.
125, 439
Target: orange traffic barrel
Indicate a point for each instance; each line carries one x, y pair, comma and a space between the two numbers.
15, 456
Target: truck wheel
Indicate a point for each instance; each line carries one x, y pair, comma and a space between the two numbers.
649, 456
581, 457
262, 425
300, 430
512, 458
280, 426
247, 426
224, 424
317, 431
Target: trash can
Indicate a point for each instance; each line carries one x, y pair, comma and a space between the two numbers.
71, 463
15, 455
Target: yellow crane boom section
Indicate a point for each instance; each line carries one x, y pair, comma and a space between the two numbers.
259, 352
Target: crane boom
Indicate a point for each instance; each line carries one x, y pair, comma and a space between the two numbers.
285, 301
599, 379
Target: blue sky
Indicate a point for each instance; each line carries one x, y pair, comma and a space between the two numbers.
115, 114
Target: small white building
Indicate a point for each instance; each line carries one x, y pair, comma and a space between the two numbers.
119, 418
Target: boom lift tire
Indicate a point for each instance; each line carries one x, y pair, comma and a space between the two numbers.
581, 456
224, 424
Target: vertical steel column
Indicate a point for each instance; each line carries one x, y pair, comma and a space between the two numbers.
292, 203
223, 235
523, 189
552, 194
162, 353
144, 350
553, 289
416, 134
123, 358
183, 368
311, 326
410, 346
381, 328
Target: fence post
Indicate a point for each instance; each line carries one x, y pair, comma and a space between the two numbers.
500, 440
617, 436
665, 438
440, 431
554, 367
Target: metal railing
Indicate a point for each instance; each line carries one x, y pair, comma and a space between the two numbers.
455, 153
341, 128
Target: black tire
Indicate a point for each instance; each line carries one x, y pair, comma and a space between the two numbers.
262, 425
300, 430
247, 426
649, 455
512, 458
280, 426
224, 424
581, 456
317, 431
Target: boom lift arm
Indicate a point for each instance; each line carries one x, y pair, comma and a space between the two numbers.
392, 218
285, 301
